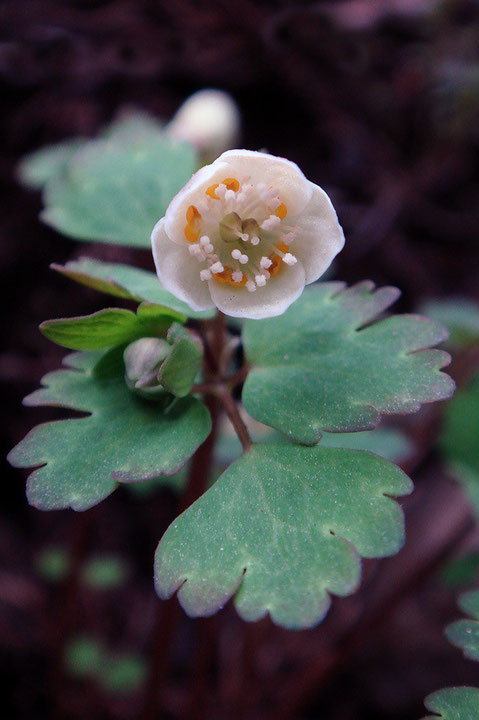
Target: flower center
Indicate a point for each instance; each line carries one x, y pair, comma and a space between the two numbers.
238, 234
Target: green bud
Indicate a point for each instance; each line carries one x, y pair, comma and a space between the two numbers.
143, 359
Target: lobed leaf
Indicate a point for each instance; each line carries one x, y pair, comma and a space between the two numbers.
127, 282
465, 633
324, 364
36, 169
456, 703
109, 327
116, 190
124, 439
282, 529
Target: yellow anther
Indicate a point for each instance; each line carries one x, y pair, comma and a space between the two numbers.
211, 191
191, 234
282, 247
281, 211
227, 277
276, 265
193, 229
222, 277
231, 184
192, 215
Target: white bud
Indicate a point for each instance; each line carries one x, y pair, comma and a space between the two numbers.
237, 276
209, 120
236, 254
265, 262
260, 280
255, 240
217, 267
250, 286
205, 274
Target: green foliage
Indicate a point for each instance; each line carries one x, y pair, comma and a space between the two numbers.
126, 282
460, 439
283, 528
389, 443
457, 703
109, 327
323, 365
114, 190
465, 633
459, 315
53, 564
123, 674
85, 657
461, 571
35, 170
125, 439
104, 572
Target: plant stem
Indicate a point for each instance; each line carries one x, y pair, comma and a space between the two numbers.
233, 413
167, 614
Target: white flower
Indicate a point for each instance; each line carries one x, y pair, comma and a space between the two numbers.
246, 234
209, 120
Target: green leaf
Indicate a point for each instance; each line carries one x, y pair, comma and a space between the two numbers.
465, 633
456, 703
459, 315
124, 674
323, 365
104, 572
283, 528
127, 282
84, 657
389, 443
461, 571
36, 169
459, 440
109, 327
115, 191
53, 564
125, 439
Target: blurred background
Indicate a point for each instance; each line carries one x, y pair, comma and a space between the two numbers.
378, 102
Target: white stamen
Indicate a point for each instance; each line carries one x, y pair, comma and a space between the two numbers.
236, 254
204, 240
229, 195
265, 262
290, 259
197, 252
250, 286
243, 259
237, 276
271, 223
217, 267
205, 274
260, 280
255, 240
221, 190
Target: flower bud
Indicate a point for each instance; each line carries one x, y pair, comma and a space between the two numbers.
143, 359
209, 120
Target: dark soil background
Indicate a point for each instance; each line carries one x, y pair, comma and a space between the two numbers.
377, 101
